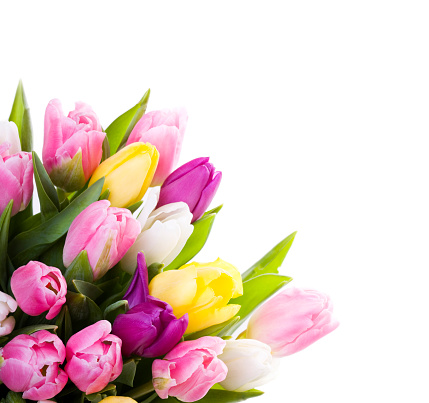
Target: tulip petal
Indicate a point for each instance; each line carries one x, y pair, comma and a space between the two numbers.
184, 169
207, 196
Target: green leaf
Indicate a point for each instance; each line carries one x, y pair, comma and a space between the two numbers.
16, 222
54, 255
88, 289
4, 234
115, 309
134, 207
20, 114
30, 244
83, 310
48, 196
196, 241
79, 269
32, 329
272, 260
109, 390
14, 397
105, 195
106, 149
255, 291
120, 129
216, 330
63, 321
128, 373
153, 270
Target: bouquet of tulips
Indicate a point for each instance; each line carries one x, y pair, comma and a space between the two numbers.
100, 299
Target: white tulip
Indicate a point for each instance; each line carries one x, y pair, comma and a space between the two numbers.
164, 232
9, 134
250, 364
7, 305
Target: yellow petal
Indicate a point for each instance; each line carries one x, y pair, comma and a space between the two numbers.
234, 273
118, 399
154, 157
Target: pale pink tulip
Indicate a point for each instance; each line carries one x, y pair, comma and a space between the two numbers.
165, 130
292, 320
9, 136
106, 233
32, 365
190, 369
72, 146
94, 357
39, 288
7, 305
16, 181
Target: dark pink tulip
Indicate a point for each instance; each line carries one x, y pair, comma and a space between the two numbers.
16, 180
94, 357
165, 130
39, 288
149, 328
106, 233
31, 365
194, 183
72, 147
189, 370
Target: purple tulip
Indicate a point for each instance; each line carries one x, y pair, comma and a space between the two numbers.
149, 328
194, 183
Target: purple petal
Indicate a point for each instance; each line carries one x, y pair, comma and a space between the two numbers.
138, 290
207, 196
184, 169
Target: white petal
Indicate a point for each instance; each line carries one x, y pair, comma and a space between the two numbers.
148, 205
9, 133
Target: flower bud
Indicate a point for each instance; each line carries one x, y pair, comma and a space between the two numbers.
202, 290
249, 363
194, 183
164, 233
128, 173
9, 135
149, 328
189, 370
292, 320
39, 288
165, 130
7, 305
93, 357
32, 365
72, 147
106, 233
16, 181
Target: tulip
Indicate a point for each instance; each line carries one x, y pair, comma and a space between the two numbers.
32, 365
117, 399
202, 290
106, 233
128, 173
292, 320
93, 357
72, 147
149, 328
39, 288
7, 305
189, 370
165, 130
249, 363
164, 233
194, 183
9, 135
16, 181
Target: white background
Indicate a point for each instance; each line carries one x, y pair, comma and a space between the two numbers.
317, 114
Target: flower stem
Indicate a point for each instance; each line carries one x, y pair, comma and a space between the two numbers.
140, 390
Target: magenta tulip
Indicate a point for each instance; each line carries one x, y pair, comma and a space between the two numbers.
194, 183
165, 130
32, 365
149, 328
189, 370
16, 180
72, 146
94, 357
292, 320
106, 233
39, 288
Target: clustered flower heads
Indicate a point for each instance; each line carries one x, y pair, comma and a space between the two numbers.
99, 290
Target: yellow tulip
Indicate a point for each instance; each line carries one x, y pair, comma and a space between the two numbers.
117, 399
128, 173
202, 290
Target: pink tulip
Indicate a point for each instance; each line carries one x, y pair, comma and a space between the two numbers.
16, 181
292, 320
106, 233
190, 369
9, 136
72, 147
7, 305
94, 357
32, 365
165, 130
39, 288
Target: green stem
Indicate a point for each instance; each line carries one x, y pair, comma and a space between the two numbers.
140, 390
242, 335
